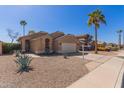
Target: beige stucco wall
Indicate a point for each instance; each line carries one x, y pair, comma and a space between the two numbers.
56, 46
37, 45
23, 45
0, 48
22, 42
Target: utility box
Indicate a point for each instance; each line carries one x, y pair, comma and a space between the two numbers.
0, 48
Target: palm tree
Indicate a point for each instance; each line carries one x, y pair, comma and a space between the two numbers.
96, 18
123, 39
23, 23
119, 37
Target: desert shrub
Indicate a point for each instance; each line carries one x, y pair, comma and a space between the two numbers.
9, 48
23, 61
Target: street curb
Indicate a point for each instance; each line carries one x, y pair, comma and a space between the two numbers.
120, 79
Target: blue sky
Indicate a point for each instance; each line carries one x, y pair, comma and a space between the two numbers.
69, 19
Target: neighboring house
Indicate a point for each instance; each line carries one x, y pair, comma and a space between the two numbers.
85, 40
0, 48
43, 42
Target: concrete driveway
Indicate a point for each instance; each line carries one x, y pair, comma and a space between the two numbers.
91, 56
107, 75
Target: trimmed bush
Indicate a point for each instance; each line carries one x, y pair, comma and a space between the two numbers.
9, 48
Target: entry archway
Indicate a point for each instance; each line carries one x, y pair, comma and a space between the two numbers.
47, 45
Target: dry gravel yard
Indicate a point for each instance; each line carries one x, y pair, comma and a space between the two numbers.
52, 71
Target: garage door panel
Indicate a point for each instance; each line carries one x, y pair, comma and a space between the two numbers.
68, 47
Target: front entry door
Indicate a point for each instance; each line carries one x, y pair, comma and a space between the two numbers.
27, 46
47, 45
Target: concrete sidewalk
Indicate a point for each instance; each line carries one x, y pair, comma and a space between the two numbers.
105, 76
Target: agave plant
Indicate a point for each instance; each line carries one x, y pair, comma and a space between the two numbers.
23, 62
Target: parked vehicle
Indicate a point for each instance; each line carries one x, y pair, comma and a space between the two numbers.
86, 48
114, 48
103, 49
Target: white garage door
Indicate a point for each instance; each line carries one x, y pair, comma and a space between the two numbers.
68, 47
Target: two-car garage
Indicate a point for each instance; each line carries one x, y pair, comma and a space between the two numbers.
66, 44
68, 47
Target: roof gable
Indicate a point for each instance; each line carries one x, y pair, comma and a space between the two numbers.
67, 39
57, 34
35, 35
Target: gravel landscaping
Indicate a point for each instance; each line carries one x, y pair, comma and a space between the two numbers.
48, 72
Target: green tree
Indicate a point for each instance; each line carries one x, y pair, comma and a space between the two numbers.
96, 18
23, 23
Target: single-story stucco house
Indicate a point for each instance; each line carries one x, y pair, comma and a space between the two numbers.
0, 48
42, 42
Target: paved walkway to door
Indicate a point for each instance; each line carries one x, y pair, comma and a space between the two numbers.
33, 55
